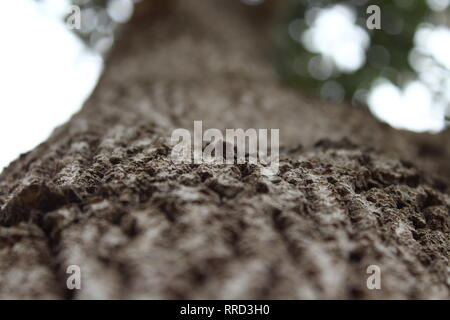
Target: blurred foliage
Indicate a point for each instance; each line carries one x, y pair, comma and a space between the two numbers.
97, 20
101, 20
293, 57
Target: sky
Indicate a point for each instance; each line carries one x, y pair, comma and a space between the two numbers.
46, 72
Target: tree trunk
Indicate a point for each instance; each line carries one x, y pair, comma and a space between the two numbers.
103, 194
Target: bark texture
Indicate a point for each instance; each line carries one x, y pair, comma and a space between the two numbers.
103, 194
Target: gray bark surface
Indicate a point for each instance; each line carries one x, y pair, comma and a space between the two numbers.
103, 194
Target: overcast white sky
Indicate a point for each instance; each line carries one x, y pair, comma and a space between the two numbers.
45, 73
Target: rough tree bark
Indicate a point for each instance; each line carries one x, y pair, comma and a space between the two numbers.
103, 194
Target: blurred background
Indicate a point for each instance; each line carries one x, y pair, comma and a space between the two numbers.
400, 71
49, 64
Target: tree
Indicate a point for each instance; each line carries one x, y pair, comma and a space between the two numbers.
102, 193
